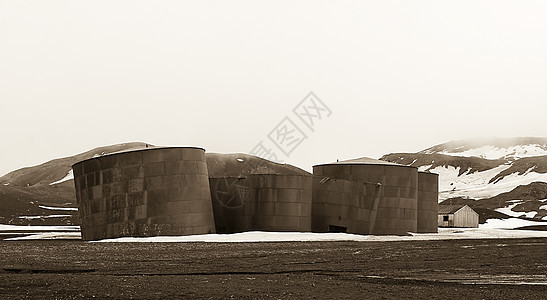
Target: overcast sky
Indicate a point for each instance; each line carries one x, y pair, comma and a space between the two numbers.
397, 76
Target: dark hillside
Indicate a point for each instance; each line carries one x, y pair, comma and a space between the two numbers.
238, 164
25, 201
57, 169
536, 164
473, 164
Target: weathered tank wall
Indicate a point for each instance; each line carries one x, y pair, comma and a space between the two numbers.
344, 206
162, 191
397, 210
428, 202
267, 202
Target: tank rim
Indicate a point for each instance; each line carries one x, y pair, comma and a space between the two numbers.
261, 174
427, 172
363, 164
136, 150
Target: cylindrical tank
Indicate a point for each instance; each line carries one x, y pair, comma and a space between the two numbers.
428, 202
266, 202
398, 206
344, 206
159, 191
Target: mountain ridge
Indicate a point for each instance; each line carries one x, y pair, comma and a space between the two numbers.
516, 147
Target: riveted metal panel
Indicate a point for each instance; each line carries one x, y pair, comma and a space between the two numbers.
269, 202
343, 203
138, 193
398, 201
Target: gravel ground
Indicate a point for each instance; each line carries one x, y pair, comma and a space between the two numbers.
485, 269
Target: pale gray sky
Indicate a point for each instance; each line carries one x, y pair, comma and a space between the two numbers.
397, 75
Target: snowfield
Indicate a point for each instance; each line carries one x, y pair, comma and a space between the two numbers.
492, 152
476, 185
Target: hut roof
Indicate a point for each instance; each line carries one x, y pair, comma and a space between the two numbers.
450, 208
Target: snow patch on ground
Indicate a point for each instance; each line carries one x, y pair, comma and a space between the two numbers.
544, 207
240, 160
43, 217
49, 236
40, 232
531, 214
508, 210
69, 176
492, 152
510, 223
58, 208
5, 227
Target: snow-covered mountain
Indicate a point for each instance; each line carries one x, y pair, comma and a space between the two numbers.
485, 168
492, 148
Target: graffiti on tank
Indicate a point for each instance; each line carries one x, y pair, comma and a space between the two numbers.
231, 192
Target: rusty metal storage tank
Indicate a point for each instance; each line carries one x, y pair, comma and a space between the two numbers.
159, 191
265, 202
398, 206
340, 205
428, 202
